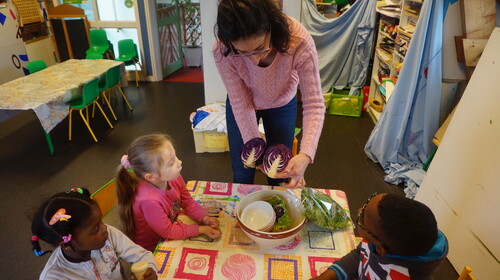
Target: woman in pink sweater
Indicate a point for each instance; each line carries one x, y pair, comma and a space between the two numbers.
150, 197
262, 55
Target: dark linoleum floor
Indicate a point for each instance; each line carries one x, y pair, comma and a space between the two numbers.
30, 175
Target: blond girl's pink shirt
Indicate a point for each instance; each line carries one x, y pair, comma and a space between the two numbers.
251, 87
155, 212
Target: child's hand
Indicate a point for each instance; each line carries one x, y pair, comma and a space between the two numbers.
150, 274
210, 232
211, 222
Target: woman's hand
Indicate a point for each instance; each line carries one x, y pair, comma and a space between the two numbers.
210, 232
295, 171
211, 222
150, 274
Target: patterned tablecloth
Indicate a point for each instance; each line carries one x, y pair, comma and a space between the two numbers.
47, 91
234, 256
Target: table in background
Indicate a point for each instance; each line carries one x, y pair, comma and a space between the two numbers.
235, 256
47, 92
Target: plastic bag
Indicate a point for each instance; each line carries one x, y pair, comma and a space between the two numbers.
323, 211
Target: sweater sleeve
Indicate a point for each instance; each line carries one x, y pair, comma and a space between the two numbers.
312, 98
158, 220
128, 250
347, 266
192, 207
239, 96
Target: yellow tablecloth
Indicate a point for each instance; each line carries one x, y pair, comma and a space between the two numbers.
235, 256
47, 92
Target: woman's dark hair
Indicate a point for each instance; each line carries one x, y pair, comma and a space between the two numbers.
240, 19
410, 226
77, 204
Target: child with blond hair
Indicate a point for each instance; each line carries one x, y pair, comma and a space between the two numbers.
151, 192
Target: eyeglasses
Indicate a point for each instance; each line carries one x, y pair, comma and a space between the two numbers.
361, 215
246, 54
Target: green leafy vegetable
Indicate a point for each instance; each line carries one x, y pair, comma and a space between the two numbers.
322, 210
283, 220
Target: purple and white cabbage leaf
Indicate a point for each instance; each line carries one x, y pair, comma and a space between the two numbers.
252, 152
276, 159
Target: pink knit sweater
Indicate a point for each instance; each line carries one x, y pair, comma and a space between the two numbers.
155, 212
251, 87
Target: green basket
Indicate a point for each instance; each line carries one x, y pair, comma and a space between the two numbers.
343, 104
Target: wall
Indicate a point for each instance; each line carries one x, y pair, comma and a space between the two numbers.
214, 88
13, 57
461, 186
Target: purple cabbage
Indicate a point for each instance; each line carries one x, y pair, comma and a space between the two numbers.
276, 159
252, 152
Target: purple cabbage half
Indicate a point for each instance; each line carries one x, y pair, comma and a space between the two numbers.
276, 159
252, 152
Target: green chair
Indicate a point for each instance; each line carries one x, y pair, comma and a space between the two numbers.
99, 43
127, 53
111, 82
36, 65
94, 56
90, 96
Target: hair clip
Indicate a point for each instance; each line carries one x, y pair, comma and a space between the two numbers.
125, 163
60, 215
78, 190
67, 238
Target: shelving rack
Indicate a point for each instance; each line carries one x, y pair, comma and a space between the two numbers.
393, 39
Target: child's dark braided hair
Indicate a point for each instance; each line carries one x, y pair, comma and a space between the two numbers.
59, 216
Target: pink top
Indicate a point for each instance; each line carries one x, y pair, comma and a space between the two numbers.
251, 87
155, 213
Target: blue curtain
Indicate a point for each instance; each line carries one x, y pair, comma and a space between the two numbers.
344, 43
402, 139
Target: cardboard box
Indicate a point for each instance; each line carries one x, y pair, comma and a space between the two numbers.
210, 142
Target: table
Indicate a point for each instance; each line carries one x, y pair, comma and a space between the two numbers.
48, 91
235, 256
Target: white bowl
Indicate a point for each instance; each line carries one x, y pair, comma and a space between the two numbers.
273, 239
259, 215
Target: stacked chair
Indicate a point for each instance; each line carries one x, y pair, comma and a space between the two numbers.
99, 44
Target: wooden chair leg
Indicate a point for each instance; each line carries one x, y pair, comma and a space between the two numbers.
88, 126
124, 97
136, 75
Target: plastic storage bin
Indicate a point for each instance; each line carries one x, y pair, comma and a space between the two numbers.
341, 103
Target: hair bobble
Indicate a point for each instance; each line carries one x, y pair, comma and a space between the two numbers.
67, 238
60, 215
36, 247
125, 162
78, 190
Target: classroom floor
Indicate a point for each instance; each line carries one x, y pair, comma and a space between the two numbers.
30, 175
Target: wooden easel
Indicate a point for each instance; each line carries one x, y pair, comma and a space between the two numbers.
67, 11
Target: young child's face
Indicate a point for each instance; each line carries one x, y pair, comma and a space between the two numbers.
369, 221
92, 235
172, 166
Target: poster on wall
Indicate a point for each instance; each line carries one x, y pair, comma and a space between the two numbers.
13, 57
